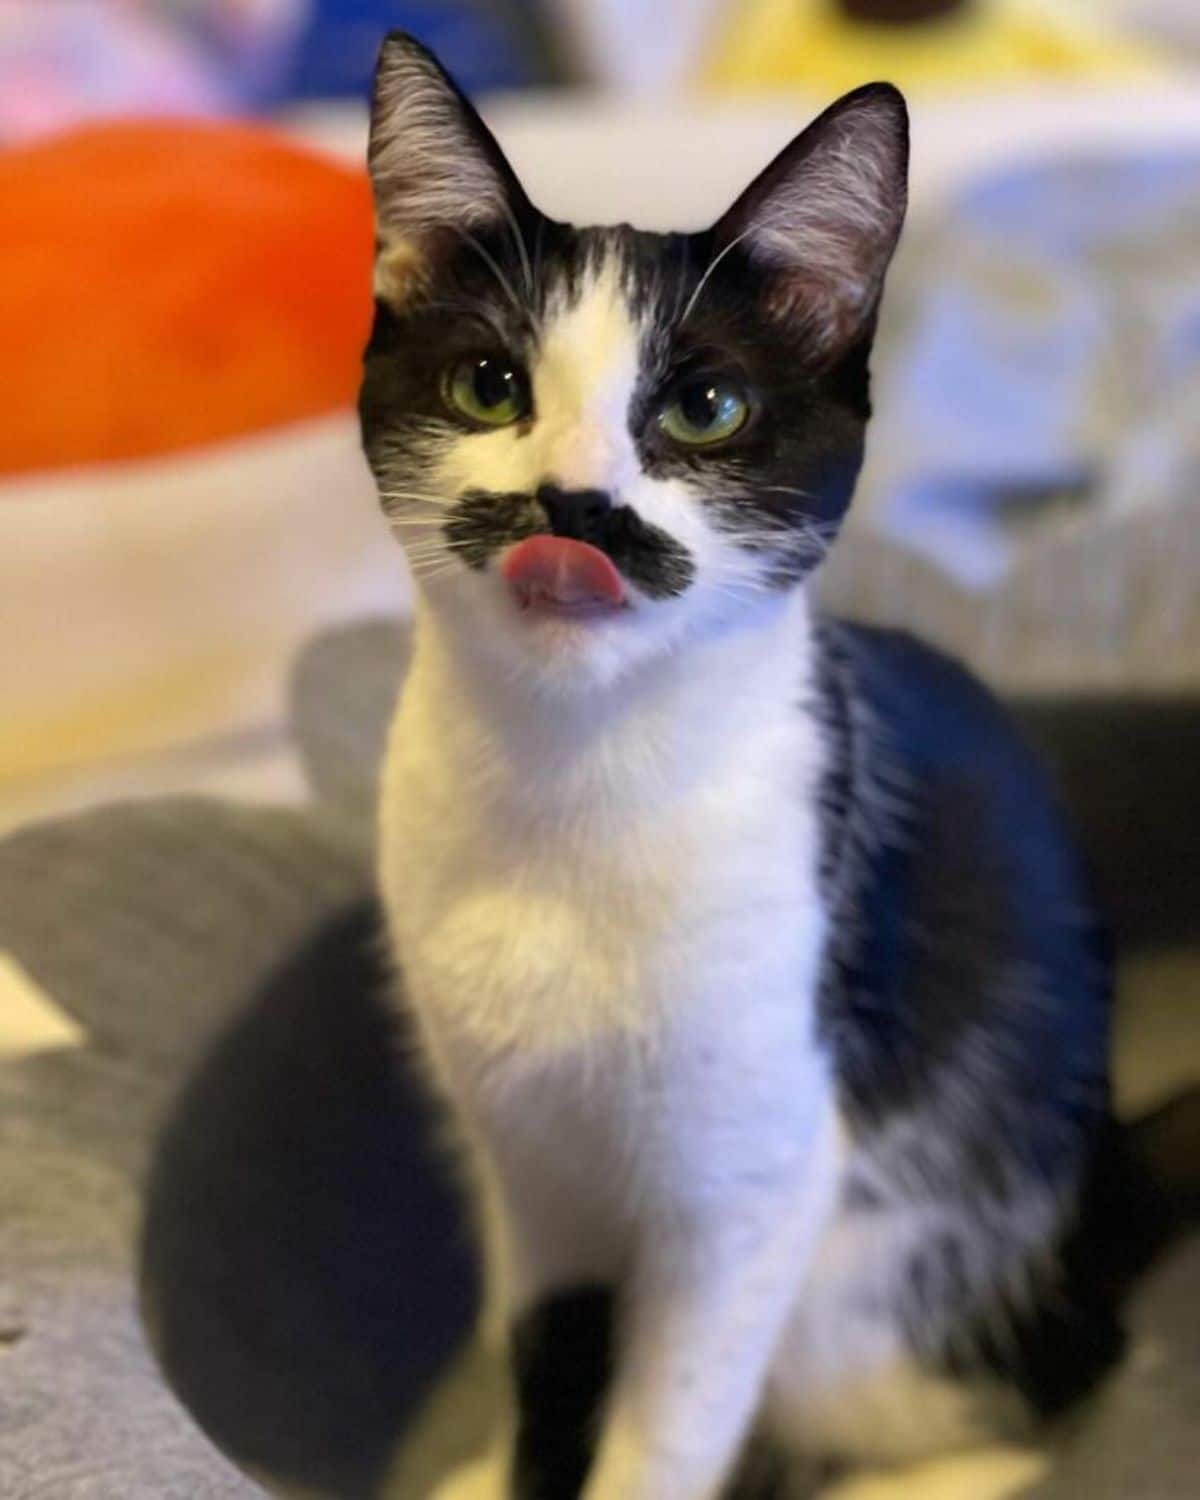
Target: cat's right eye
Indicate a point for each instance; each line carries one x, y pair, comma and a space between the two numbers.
704, 411
490, 390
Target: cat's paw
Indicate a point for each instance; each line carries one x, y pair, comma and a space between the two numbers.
483, 1479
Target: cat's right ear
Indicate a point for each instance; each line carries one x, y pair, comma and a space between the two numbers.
820, 224
435, 167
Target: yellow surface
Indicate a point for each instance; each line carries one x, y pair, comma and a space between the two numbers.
774, 44
127, 717
29, 1020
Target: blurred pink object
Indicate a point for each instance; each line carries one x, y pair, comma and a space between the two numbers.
74, 60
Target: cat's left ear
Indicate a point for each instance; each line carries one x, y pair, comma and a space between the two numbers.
822, 221
435, 167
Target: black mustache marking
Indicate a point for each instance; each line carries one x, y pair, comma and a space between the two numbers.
483, 522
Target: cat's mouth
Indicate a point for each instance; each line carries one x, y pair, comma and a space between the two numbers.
563, 578
552, 570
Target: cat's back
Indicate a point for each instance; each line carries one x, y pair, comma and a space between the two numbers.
966, 952
938, 726
965, 1003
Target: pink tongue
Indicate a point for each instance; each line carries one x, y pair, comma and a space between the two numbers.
554, 570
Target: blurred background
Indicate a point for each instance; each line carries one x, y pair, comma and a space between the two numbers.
184, 235
197, 597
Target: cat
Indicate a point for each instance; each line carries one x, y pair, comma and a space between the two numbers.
748, 949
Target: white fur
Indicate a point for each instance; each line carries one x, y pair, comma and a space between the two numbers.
587, 363
599, 864
614, 963
844, 1381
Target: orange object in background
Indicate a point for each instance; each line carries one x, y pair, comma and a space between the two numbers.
165, 285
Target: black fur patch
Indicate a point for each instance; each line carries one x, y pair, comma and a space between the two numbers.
562, 1360
782, 485
966, 1002
963, 931
1054, 1347
1142, 1192
656, 562
482, 524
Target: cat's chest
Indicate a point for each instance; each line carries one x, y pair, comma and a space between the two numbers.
516, 930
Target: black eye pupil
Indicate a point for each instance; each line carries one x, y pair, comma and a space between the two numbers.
700, 404
493, 383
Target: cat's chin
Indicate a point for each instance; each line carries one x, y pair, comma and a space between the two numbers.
581, 647
587, 614
544, 647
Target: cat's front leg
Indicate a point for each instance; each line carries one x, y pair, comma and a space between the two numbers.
702, 1318
549, 1267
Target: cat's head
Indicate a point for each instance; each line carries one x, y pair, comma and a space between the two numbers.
597, 444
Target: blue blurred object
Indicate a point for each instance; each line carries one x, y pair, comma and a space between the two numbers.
485, 45
1051, 366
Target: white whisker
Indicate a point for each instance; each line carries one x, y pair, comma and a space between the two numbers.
785, 489
428, 551
413, 499
428, 575
687, 265
490, 261
537, 257
712, 266
526, 269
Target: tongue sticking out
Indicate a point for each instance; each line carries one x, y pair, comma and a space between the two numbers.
557, 574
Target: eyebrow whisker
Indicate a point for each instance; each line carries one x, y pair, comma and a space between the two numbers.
490, 261
712, 266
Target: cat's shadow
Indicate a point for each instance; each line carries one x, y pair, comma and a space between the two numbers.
308, 1279
306, 1270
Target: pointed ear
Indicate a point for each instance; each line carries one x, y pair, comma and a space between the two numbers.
822, 221
434, 165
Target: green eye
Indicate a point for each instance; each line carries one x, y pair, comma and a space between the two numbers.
703, 411
489, 389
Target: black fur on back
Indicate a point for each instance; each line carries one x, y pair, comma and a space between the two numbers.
966, 1000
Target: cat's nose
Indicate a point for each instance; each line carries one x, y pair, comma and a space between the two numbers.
579, 514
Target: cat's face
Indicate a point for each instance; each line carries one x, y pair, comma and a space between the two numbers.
597, 444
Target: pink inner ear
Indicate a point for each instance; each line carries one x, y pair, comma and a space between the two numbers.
829, 310
822, 221
432, 160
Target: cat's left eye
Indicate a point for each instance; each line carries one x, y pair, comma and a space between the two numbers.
704, 410
490, 390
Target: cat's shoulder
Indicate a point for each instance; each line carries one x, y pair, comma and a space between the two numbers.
916, 737
931, 709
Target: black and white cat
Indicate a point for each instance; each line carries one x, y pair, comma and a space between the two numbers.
748, 949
